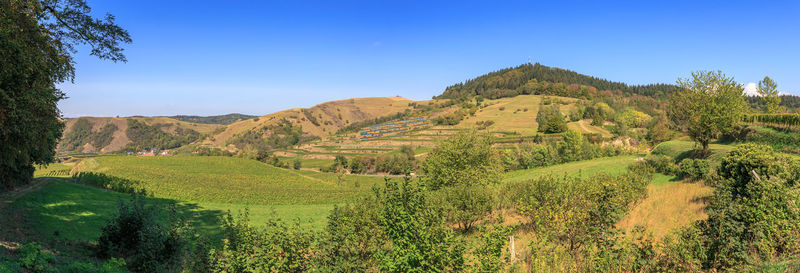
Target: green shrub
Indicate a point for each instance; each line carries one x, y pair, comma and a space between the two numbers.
695, 169
34, 259
420, 240
464, 205
662, 163
146, 244
466, 158
297, 164
488, 256
275, 248
754, 214
352, 238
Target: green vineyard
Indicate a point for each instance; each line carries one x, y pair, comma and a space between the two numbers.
788, 120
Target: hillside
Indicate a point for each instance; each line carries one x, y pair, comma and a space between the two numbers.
321, 120
541, 79
220, 119
111, 134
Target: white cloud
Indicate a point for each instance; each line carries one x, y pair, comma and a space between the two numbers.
750, 89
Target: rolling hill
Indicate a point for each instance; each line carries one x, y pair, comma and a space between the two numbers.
111, 134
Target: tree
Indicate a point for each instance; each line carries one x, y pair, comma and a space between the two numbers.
707, 106
571, 146
550, 120
768, 90
37, 38
466, 158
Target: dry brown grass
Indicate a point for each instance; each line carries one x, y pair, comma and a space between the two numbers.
331, 116
667, 207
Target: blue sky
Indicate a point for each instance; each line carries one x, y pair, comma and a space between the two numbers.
258, 57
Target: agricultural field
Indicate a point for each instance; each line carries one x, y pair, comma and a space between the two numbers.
226, 180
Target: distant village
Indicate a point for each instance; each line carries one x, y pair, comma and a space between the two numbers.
151, 152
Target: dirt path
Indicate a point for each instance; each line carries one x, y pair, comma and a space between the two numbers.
9, 197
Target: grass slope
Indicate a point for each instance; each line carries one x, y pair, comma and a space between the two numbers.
61, 211
609, 165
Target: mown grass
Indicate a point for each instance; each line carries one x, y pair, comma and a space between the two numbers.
226, 180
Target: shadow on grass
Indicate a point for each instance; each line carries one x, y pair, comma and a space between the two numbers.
65, 213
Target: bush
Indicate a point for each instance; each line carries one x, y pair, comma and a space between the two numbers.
33, 259
752, 217
297, 164
276, 248
146, 244
466, 158
696, 169
353, 238
662, 163
420, 241
464, 205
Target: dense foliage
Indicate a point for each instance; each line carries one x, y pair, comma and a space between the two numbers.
143, 136
221, 119
37, 39
572, 147
540, 79
137, 235
754, 213
707, 105
550, 119
466, 158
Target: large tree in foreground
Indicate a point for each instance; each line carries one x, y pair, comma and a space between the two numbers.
706, 106
37, 38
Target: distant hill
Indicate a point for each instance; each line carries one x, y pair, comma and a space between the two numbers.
537, 79
111, 134
221, 119
292, 125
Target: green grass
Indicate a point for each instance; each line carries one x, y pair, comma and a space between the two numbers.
66, 212
224, 180
680, 149
609, 165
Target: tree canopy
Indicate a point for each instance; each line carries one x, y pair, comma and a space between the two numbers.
768, 90
707, 105
37, 39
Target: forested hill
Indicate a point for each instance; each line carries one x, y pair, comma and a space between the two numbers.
541, 79
221, 119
